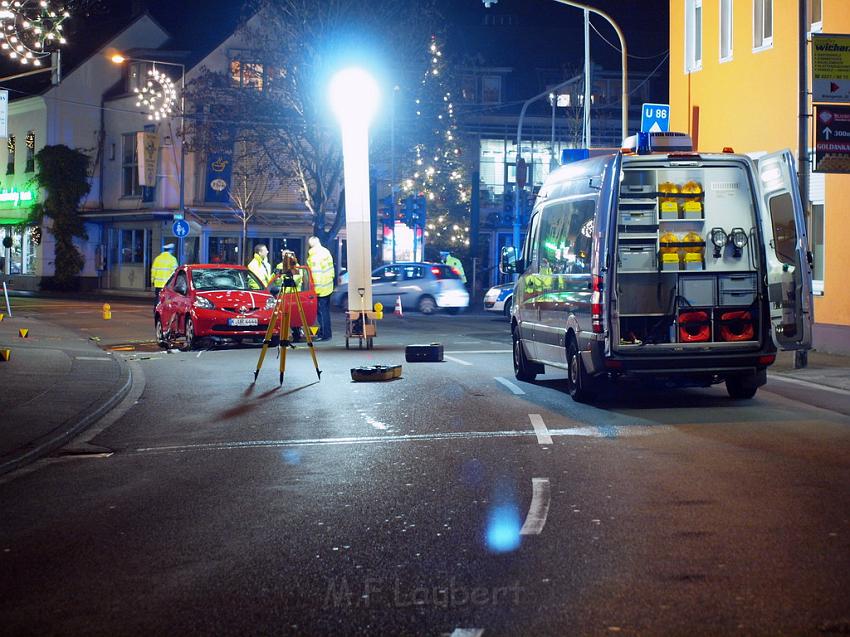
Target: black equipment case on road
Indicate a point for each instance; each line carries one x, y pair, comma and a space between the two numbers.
432, 353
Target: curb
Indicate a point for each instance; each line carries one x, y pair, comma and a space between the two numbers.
70, 428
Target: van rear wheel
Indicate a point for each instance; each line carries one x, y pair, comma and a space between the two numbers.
524, 369
741, 387
580, 384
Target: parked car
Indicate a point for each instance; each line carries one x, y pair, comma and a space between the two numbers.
425, 287
223, 302
500, 298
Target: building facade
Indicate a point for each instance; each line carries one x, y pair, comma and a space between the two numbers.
734, 82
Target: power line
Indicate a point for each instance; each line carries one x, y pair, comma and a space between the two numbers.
616, 48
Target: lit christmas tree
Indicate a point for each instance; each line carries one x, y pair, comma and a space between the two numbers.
437, 171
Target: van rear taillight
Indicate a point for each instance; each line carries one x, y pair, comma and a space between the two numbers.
596, 304
767, 359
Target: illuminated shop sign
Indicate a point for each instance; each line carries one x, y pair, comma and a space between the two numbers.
16, 198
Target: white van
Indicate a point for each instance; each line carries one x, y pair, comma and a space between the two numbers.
688, 267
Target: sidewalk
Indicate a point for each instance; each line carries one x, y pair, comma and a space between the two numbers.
830, 370
55, 384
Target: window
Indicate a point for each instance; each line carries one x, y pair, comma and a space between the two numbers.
413, 272
491, 89
725, 30
10, 157
30, 140
137, 75
693, 35
133, 246
815, 16
566, 232
762, 24
817, 246
247, 74
130, 167
387, 275
468, 88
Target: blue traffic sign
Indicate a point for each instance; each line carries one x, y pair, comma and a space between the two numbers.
655, 118
180, 228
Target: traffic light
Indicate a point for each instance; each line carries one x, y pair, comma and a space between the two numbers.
417, 217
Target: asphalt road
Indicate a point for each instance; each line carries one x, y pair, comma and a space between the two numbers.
454, 499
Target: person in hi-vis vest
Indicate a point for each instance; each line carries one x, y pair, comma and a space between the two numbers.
321, 265
162, 268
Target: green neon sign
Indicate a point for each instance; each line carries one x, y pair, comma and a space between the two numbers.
17, 198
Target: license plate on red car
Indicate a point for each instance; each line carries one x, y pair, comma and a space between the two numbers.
242, 322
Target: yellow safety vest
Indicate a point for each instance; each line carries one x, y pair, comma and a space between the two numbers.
162, 268
321, 264
455, 263
259, 267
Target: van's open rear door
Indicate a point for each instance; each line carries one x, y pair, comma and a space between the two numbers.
789, 275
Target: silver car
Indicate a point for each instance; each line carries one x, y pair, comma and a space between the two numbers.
425, 287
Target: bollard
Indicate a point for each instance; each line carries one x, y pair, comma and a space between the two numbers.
2, 316
379, 311
23, 332
107, 311
5, 354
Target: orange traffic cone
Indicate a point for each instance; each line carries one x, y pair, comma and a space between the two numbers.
397, 311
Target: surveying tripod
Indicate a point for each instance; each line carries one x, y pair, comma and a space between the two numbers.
281, 316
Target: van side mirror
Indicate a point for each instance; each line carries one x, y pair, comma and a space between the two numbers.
509, 263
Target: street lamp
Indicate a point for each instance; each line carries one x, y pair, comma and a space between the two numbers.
160, 112
354, 98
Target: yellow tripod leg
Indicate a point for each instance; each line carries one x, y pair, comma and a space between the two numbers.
284, 338
309, 336
267, 339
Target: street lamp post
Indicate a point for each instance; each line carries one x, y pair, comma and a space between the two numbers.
120, 59
354, 99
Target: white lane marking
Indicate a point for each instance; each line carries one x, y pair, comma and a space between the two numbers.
807, 383
478, 351
92, 358
590, 432
199, 354
516, 390
540, 429
456, 360
467, 632
539, 509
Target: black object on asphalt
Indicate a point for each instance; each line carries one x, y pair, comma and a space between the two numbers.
431, 353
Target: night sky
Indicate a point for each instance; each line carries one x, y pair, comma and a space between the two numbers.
529, 34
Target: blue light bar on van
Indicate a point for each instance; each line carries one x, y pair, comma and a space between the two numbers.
569, 155
644, 145
661, 143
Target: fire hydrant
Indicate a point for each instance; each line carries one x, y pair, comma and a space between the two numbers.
107, 311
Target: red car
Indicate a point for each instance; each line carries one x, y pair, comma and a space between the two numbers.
223, 301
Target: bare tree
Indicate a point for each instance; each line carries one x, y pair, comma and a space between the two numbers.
274, 95
253, 184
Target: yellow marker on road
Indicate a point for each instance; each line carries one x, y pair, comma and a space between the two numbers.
5, 354
23, 332
107, 311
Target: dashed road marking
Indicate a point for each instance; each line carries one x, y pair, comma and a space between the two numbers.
467, 632
92, 358
479, 351
457, 360
514, 388
807, 383
589, 432
535, 520
540, 429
